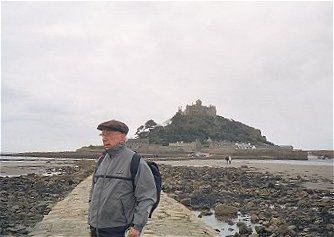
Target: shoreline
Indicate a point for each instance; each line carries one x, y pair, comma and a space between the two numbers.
208, 154
26, 199
15, 168
281, 205
314, 176
249, 174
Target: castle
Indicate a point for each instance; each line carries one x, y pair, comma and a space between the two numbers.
199, 110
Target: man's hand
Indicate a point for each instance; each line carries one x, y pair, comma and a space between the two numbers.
133, 232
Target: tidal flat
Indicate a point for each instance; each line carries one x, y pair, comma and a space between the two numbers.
282, 198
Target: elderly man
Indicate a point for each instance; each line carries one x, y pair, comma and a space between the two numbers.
116, 205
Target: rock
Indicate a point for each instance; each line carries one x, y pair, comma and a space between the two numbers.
243, 228
262, 231
253, 235
266, 223
251, 205
307, 229
254, 218
3, 199
276, 221
230, 222
186, 202
223, 211
330, 227
284, 230
205, 189
15, 208
270, 184
302, 194
206, 213
18, 229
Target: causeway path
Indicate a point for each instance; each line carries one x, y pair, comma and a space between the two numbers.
69, 218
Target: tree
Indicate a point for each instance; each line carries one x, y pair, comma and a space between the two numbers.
144, 130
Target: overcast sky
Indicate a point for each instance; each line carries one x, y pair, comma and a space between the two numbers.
67, 66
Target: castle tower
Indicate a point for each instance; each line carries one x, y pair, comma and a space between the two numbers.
198, 102
198, 109
180, 109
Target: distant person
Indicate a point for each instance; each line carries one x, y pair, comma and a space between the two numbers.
228, 159
115, 206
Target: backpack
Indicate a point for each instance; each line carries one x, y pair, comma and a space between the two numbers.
156, 174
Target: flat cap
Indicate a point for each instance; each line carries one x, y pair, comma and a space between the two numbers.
114, 125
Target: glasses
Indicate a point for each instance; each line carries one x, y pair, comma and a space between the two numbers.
107, 133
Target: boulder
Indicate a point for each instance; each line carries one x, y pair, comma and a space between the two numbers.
223, 211
206, 213
186, 202
243, 228
254, 218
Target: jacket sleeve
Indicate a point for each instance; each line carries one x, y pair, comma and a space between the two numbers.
145, 194
91, 189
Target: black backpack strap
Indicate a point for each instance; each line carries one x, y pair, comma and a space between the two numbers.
111, 177
99, 161
134, 168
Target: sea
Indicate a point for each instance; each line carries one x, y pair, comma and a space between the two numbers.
13, 166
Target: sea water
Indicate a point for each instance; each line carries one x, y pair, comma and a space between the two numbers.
13, 166
224, 228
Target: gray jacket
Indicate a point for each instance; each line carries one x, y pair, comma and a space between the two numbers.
113, 202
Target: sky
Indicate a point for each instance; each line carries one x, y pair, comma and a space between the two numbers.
68, 66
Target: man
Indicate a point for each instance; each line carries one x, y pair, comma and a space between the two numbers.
228, 159
116, 206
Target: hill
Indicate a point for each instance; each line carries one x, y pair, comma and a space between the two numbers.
201, 123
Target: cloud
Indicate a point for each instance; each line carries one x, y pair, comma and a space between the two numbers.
67, 66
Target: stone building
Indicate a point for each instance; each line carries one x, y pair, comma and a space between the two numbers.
199, 110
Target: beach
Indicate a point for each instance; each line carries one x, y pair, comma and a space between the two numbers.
304, 188
26, 199
286, 198
316, 173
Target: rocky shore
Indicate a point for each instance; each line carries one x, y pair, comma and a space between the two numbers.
26, 199
64, 154
281, 207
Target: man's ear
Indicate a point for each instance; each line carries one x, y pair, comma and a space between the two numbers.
123, 137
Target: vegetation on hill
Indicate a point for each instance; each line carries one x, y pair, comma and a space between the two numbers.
189, 128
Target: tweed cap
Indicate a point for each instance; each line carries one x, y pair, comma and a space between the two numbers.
114, 125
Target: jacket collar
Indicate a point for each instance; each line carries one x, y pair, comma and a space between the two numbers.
115, 150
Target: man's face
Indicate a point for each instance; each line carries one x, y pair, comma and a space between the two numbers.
111, 139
